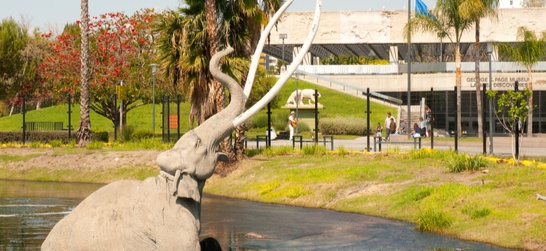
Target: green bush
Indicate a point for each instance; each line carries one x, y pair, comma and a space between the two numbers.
100, 136
314, 149
343, 126
94, 145
276, 151
302, 127
35, 136
433, 220
56, 143
278, 121
127, 132
474, 212
142, 134
462, 162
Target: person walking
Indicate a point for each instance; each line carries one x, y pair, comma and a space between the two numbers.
292, 123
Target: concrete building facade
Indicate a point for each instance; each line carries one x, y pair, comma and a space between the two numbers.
379, 34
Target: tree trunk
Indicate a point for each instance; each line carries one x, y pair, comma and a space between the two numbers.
530, 117
219, 94
84, 132
458, 84
240, 141
478, 82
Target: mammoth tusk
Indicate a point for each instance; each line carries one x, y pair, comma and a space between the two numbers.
287, 74
256, 57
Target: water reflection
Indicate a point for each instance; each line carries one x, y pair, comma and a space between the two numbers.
245, 225
28, 211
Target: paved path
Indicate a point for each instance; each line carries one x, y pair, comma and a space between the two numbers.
501, 145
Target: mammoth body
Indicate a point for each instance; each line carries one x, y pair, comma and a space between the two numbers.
294, 97
163, 212
298, 96
129, 215
309, 94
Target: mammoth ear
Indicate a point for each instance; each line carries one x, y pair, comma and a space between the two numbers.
222, 157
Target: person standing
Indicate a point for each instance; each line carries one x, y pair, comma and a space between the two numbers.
387, 125
392, 127
378, 130
423, 126
428, 120
292, 123
401, 127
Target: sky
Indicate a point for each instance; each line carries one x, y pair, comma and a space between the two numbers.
54, 14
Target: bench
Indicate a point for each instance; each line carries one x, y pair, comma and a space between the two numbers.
377, 141
325, 139
261, 137
44, 126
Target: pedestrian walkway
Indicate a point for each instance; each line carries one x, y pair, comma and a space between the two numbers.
502, 146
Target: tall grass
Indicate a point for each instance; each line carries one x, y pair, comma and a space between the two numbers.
463, 162
433, 220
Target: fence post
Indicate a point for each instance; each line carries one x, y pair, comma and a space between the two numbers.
456, 123
484, 135
69, 116
431, 120
516, 89
24, 120
368, 119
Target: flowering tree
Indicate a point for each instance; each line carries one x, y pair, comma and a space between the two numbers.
121, 49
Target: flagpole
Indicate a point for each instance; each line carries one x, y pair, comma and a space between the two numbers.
408, 125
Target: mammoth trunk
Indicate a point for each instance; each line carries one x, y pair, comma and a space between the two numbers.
219, 126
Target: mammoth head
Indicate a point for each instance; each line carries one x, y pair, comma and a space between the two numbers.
195, 152
194, 156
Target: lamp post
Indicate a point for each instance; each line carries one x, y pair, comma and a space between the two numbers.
282, 36
489, 52
409, 69
154, 71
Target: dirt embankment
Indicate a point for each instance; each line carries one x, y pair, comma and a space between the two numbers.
52, 158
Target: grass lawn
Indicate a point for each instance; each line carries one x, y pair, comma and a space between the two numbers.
140, 118
495, 204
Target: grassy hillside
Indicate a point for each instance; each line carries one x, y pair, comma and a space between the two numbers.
335, 103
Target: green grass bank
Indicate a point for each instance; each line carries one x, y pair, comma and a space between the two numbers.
475, 198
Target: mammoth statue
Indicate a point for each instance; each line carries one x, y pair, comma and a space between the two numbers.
163, 212
294, 98
309, 94
298, 96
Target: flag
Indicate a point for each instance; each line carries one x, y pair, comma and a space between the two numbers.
422, 9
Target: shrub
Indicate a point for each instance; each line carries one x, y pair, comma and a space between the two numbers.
462, 162
276, 151
142, 134
433, 220
343, 126
127, 132
278, 121
56, 143
94, 145
100, 136
302, 127
314, 149
35, 136
474, 213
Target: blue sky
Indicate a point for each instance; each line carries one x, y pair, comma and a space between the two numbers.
56, 13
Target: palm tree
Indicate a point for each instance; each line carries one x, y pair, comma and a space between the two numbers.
84, 132
477, 9
447, 22
199, 36
528, 52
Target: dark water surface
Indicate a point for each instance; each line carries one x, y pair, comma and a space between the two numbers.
28, 211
